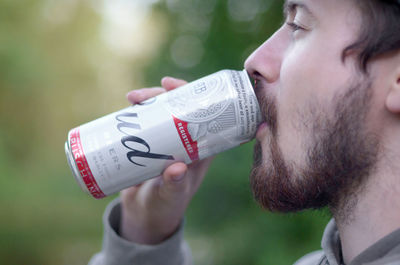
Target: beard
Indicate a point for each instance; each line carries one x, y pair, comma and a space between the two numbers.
340, 154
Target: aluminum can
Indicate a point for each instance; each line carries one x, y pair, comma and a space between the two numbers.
192, 122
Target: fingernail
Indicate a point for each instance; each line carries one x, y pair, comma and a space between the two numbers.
134, 96
178, 177
169, 78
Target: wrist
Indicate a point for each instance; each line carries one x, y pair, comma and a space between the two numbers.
146, 233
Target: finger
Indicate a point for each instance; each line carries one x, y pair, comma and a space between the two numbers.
139, 95
170, 83
129, 194
200, 168
175, 180
175, 172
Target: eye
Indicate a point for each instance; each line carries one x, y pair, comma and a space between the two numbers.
293, 26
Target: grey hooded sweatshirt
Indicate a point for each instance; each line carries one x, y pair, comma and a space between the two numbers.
175, 251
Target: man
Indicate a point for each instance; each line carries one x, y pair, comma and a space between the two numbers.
328, 82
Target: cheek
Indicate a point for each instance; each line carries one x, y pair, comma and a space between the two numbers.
312, 71
309, 79
305, 68
300, 84
312, 64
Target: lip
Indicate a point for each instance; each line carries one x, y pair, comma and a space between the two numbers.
261, 130
262, 127
262, 89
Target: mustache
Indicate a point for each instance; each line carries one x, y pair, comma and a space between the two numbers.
268, 107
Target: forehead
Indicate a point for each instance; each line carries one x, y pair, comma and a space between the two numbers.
322, 6
341, 12
290, 5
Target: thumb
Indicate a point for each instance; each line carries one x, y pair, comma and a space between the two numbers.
170, 83
175, 181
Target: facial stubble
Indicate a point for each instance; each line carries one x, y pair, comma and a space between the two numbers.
340, 155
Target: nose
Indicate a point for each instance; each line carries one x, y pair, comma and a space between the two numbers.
266, 60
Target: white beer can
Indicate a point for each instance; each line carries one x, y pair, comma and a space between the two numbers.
192, 122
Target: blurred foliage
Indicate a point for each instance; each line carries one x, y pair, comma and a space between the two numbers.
57, 70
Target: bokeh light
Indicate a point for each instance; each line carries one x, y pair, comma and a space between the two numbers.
187, 51
67, 62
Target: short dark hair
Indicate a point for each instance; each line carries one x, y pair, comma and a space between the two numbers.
379, 32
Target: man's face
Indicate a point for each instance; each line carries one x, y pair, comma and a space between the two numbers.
316, 145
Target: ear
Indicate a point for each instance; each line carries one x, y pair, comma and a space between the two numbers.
393, 97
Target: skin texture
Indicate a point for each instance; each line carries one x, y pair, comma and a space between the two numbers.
308, 153
331, 134
328, 128
339, 155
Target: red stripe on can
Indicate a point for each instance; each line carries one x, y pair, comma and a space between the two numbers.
83, 166
187, 141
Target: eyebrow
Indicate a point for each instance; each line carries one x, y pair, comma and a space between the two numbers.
291, 5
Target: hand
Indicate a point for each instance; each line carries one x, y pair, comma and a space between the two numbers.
152, 211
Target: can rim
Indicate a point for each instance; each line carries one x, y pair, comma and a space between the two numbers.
73, 166
253, 93
244, 71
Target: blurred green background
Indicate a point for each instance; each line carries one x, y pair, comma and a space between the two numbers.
66, 62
